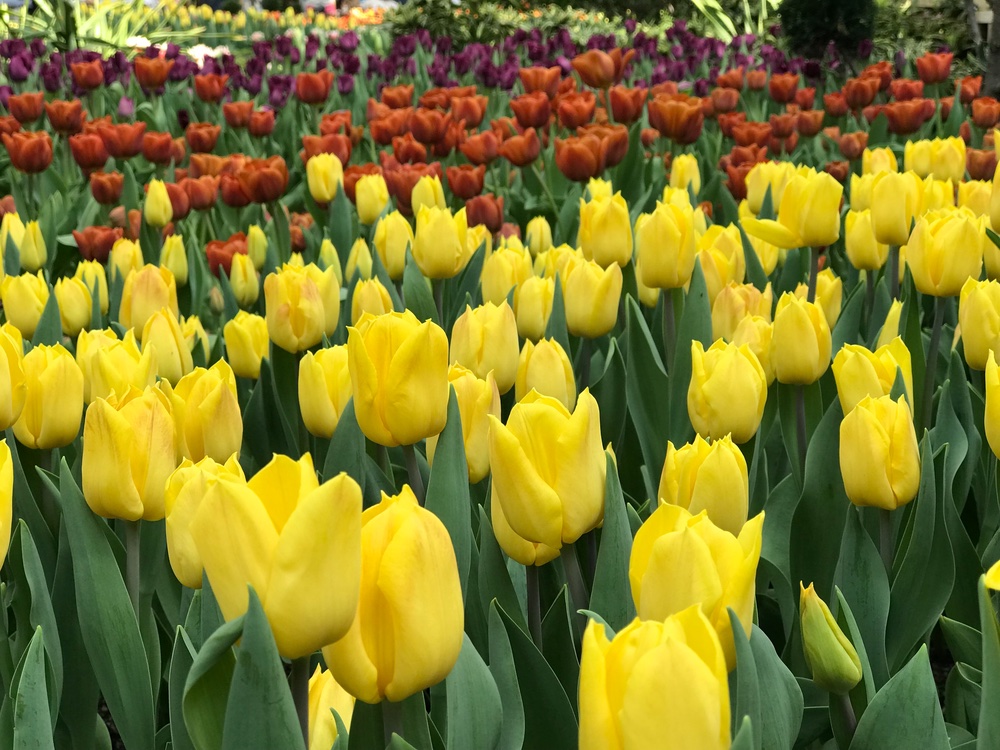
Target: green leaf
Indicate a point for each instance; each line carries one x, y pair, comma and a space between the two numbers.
181, 660
448, 488
417, 293
965, 644
109, 626
904, 713
611, 594
366, 727
609, 390
847, 330
556, 327
989, 717
746, 699
475, 711
744, 739
695, 324
865, 690
781, 710
32, 716
206, 690
558, 647
49, 329
494, 580
755, 271
647, 390
504, 673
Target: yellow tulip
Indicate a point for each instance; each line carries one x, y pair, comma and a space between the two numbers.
539, 235
440, 249
831, 656
941, 158
168, 347
975, 195
484, 340
33, 252
207, 412
917, 157
324, 389
6, 497
246, 343
110, 365
53, 402
408, 630
371, 196
599, 189
944, 252
195, 335
879, 455
399, 377
727, 392
809, 215
606, 230
324, 176
707, 477
755, 332
157, 209
393, 236
145, 292
329, 258
770, 174
545, 367
665, 246
648, 296
890, 328
894, 204
296, 541
428, 192
128, 454
992, 420
801, 341
325, 694
185, 489
553, 261
257, 246
359, 260
829, 294
767, 254
861, 190
679, 560
477, 401
734, 302
684, 173
24, 299
875, 160
548, 469
75, 305
369, 297
678, 663
92, 273
533, 306
244, 280
299, 306
591, 295
860, 373
994, 202
13, 386
125, 257
863, 250
480, 236
505, 269
720, 251
173, 256
935, 195
979, 320
11, 230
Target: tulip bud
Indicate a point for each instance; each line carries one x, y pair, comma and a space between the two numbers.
533, 306
428, 192
890, 328
720, 251
173, 257
289, 537
504, 270
393, 236
128, 454
359, 260
125, 257
894, 203
24, 299
879, 455
244, 280
545, 367
145, 292
53, 403
735, 302
975, 195
860, 373
246, 344
185, 489
666, 245
727, 392
324, 389
606, 230
992, 418
829, 294
372, 196
863, 250
207, 412
591, 296
33, 253
440, 247
408, 629
329, 258
13, 387
301, 306
875, 160
369, 297
157, 209
755, 332
325, 694
195, 335
75, 305
831, 656
11, 230
484, 340
539, 235
477, 401
685, 174
801, 341
773, 175
944, 252
324, 175
92, 274
256, 246
163, 336
397, 360
809, 215
559, 503
711, 478
679, 560
979, 320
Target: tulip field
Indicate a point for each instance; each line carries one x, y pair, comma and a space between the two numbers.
365, 390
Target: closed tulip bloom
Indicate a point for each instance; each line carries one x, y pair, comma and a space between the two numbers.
145, 292
801, 343
533, 306
680, 661
256, 246
75, 305
832, 658
975, 195
185, 490
992, 417
244, 280
890, 328
942, 158
935, 195
484, 340
371, 196
157, 209
207, 412
679, 559
545, 367
768, 175
505, 269
860, 373
666, 243
917, 157
325, 693
755, 332
875, 160
325, 175
554, 261
125, 257
53, 403
707, 477
110, 365
478, 400
173, 257
246, 344
369, 297
548, 469
734, 302
539, 235
979, 320
809, 215
879, 454
720, 251
13, 386
195, 335
33, 252
399, 377
829, 294
440, 248
164, 339
944, 252
324, 389
330, 258
24, 299
863, 250
296, 307
93, 275
591, 295
393, 235
606, 230
428, 192
296, 541
894, 202
128, 454
11, 231
684, 173
359, 260
727, 392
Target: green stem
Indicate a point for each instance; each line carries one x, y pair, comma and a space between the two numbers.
438, 287
930, 373
132, 560
584, 363
885, 539
298, 681
894, 271
669, 330
546, 188
813, 273
574, 577
413, 472
534, 606
847, 712
870, 294
800, 426
392, 720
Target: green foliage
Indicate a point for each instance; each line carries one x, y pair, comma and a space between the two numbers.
810, 25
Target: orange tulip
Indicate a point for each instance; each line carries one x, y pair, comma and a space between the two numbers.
313, 88
210, 87
152, 72
65, 117
541, 79
30, 152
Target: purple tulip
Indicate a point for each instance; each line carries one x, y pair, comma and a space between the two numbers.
345, 85
126, 107
52, 77
20, 67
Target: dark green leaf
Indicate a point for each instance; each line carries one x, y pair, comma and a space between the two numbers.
475, 711
611, 594
695, 324
49, 329
647, 390
32, 716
